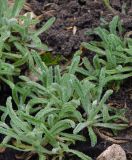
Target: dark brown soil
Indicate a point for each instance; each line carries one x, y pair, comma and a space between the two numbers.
71, 15
79, 15
73, 19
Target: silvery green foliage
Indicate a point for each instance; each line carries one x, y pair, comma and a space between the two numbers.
44, 120
17, 38
34, 133
46, 110
113, 53
48, 115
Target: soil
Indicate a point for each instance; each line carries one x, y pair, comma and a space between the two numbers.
73, 19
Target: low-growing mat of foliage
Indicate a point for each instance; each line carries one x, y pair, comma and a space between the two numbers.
18, 37
48, 114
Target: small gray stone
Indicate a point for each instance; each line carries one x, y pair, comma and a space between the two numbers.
114, 152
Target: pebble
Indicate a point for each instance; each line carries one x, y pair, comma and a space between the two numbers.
114, 152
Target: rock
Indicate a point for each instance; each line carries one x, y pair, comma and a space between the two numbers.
114, 152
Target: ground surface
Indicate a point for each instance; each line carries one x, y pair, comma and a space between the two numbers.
73, 19
79, 15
